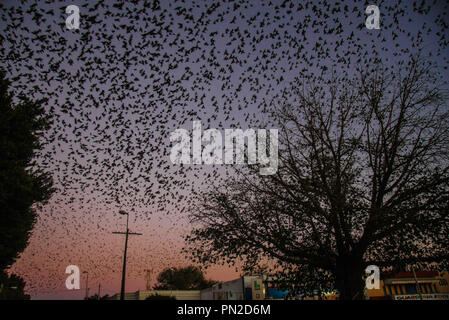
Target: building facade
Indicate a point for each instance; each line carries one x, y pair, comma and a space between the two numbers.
243, 288
432, 285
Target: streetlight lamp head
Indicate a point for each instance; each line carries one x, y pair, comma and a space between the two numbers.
123, 212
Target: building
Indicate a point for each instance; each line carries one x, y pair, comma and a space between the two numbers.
432, 285
398, 286
255, 287
243, 288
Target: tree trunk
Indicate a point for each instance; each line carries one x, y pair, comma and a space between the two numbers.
349, 281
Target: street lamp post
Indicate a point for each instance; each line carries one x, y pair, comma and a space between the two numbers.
127, 233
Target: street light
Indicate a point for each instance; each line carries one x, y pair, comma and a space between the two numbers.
87, 284
122, 290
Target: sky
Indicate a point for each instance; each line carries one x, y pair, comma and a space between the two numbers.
136, 71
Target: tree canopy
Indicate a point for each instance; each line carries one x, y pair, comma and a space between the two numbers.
186, 278
363, 179
22, 184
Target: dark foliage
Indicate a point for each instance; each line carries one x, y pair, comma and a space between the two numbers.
187, 278
12, 287
22, 184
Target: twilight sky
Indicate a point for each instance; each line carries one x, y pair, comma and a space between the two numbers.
134, 72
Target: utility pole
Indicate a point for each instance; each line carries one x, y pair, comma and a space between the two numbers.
127, 233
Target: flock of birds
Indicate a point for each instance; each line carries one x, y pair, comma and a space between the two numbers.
135, 71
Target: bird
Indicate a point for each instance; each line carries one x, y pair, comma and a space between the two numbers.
134, 73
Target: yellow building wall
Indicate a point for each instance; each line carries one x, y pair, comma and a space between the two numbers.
442, 286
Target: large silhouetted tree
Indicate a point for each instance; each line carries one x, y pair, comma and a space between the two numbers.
363, 179
22, 184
